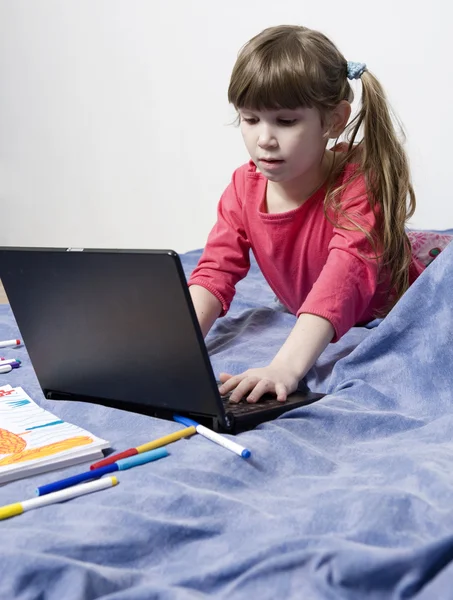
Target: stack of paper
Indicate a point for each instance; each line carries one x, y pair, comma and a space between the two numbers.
33, 440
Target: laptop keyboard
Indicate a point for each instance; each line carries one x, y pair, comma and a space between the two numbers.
268, 402
245, 408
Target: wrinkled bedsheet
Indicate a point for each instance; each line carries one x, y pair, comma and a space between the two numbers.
350, 497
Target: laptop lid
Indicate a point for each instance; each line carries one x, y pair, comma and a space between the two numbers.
112, 326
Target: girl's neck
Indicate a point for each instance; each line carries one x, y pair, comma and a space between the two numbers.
288, 195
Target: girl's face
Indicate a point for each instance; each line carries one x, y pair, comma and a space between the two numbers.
284, 144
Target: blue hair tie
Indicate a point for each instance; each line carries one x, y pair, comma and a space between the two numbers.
356, 70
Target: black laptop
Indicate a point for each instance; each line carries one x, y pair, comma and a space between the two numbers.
118, 327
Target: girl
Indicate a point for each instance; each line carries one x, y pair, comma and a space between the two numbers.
327, 226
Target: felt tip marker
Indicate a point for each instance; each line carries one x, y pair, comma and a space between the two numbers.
11, 510
8, 368
120, 465
9, 361
10, 343
214, 437
163, 441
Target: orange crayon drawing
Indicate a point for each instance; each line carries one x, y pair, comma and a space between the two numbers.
16, 447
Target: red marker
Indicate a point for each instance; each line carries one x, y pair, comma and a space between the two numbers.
167, 439
113, 458
10, 343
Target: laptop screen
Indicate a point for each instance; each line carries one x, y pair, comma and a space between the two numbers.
116, 325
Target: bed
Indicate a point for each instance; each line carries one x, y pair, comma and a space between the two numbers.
350, 497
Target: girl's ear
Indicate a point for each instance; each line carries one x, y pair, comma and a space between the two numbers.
338, 119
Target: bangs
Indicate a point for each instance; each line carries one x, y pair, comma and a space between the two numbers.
271, 83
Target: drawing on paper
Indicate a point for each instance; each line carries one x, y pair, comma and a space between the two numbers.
14, 445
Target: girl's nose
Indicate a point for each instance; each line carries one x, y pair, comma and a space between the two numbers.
267, 138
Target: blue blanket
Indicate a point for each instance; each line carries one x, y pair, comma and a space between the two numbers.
347, 498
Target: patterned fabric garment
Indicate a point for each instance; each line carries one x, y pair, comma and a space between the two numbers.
426, 245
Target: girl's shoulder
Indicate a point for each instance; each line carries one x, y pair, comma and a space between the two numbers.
353, 160
351, 169
350, 182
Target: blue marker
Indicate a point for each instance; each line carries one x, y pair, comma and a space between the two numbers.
214, 437
120, 465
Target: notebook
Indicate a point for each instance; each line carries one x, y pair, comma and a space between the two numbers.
33, 440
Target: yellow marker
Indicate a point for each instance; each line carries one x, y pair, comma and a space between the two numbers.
167, 439
11, 510
163, 441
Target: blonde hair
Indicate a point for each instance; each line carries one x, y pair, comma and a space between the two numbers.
294, 67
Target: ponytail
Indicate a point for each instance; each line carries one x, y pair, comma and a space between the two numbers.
385, 166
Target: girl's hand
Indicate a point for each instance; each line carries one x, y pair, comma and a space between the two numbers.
309, 337
253, 383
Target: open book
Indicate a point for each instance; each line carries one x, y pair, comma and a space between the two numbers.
33, 440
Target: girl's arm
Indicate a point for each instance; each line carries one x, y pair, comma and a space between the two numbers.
225, 259
308, 339
207, 307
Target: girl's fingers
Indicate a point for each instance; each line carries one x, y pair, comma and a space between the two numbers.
243, 388
262, 387
281, 391
224, 377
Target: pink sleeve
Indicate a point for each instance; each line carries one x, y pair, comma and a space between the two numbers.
349, 278
225, 259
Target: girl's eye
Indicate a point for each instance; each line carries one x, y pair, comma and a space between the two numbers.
250, 120
286, 122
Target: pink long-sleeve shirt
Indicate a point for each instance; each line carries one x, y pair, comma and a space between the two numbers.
311, 265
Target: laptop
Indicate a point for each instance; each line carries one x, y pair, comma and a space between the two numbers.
118, 328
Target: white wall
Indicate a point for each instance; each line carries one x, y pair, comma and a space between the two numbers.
114, 123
